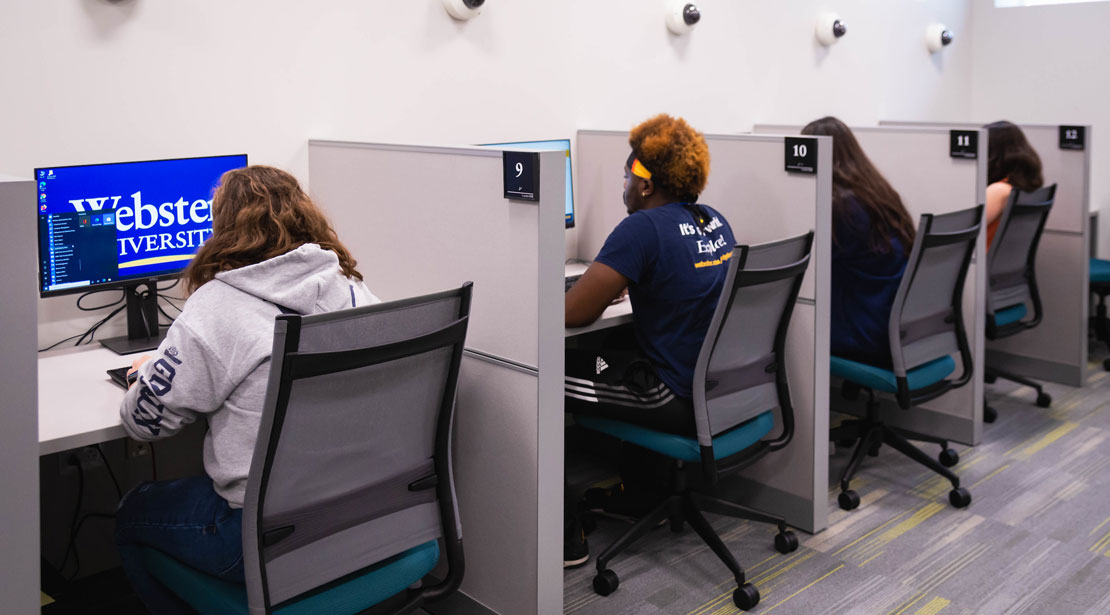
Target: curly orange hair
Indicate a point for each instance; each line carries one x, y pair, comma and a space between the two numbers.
675, 153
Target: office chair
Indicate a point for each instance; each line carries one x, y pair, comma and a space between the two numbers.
739, 380
1012, 279
1100, 286
926, 329
351, 487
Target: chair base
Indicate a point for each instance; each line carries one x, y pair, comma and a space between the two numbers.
991, 374
685, 506
871, 433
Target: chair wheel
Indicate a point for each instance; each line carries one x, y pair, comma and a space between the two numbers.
848, 500
1044, 400
989, 379
874, 450
786, 542
959, 497
1106, 364
745, 597
606, 582
948, 457
989, 414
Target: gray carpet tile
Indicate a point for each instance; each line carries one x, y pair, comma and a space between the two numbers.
1036, 538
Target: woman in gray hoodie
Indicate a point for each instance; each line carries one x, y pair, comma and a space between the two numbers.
272, 250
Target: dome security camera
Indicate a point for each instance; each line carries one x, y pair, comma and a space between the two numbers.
682, 16
937, 37
830, 28
463, 9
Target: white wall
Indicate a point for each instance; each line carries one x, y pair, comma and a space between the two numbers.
1048, 64
93, 80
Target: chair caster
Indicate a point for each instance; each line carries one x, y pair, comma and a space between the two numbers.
948, 457
848, 500
606, 582
1106, 364
989, 379
989, 414
959, 497
874, 450
786, 542
745, 597
1044, 400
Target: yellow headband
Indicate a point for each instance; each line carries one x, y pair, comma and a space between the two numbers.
638, 169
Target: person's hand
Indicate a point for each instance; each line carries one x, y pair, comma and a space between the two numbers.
135, 365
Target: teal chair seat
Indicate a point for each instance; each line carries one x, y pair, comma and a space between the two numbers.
679, 447
211, 596
1100, 270
879, 379
1009, 315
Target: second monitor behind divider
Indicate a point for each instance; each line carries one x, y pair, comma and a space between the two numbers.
548, 145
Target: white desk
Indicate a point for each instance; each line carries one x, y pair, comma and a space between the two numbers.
78, 403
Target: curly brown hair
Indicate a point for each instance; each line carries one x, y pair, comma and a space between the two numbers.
675, 153
259, 212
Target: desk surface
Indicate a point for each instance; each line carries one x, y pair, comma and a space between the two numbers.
614, 315
78, 403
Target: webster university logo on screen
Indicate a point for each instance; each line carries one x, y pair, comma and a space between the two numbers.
149, 233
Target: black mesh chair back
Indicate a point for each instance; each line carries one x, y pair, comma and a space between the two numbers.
1011, 261
926, 319
740, 372
353, 463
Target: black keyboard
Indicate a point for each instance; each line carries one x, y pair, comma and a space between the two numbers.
119, 376
571, 280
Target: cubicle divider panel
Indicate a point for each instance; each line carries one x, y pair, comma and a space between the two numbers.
916, 162
1056, 350
762, 202
421, 219
19, 449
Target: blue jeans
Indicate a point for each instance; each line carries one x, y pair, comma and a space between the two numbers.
187, 520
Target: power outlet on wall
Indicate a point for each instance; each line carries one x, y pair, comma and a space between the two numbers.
137, 449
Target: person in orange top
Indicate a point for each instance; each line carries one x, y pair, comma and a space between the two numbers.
1011, 163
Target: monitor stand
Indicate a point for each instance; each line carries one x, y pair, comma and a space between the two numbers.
142, 316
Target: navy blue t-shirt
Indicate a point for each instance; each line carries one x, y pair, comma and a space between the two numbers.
676, 269
864, 283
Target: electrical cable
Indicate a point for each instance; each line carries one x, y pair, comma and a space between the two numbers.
119, 492
123, 297
73, 460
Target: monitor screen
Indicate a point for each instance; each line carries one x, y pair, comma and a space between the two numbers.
548, 146
107, 225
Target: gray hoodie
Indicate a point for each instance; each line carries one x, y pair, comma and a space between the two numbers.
215, 360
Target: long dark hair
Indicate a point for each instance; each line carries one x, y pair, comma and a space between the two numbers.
258, 213
1011, 158
855, 176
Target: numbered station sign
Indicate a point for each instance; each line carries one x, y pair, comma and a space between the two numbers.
801, 155
963, 143
1073, 137
522, 175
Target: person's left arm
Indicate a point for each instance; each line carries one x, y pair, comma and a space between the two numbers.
594, 291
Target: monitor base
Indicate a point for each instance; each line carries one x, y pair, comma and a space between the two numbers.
125, 345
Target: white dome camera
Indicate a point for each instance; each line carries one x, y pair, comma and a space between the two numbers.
830, 28
682, 16
937, 37
463, 9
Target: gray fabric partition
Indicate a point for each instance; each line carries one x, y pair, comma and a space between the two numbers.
1057, 349
419, 219
916, 162
763, 203
19, 448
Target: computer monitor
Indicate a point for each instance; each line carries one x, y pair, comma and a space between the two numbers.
125, 225
548, 146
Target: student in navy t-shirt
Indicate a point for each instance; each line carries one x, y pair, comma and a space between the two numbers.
872, 234
671, 254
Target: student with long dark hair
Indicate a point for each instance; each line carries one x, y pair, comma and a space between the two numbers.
1011, 163
871, 235
271, 250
